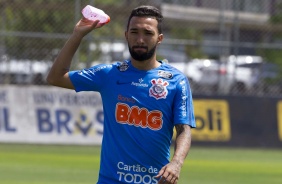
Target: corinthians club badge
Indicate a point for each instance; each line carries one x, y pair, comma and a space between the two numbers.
158, 89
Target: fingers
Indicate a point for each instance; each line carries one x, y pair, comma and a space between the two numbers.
100, 25
85, 22
84, 26
170, 179
167, 176
161, 172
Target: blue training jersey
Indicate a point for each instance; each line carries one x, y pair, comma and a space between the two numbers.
140, 111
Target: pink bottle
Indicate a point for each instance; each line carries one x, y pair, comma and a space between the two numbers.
92, 13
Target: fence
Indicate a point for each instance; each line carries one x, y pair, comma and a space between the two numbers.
50, 115
33, 31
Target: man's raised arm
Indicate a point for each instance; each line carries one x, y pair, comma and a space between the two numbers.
58, 74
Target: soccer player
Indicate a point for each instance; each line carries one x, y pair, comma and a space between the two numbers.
143, 100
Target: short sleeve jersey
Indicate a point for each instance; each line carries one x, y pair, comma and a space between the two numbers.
140, 110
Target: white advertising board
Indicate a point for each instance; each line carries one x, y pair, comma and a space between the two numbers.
50, 115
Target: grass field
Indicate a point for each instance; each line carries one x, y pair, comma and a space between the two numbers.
42, 164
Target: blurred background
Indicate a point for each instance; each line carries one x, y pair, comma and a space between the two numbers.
223, 46
230, 50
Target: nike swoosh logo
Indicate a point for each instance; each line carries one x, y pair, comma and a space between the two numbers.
121, 82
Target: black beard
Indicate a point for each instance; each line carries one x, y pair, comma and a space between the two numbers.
142, 56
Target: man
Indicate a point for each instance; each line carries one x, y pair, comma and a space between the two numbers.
143, 100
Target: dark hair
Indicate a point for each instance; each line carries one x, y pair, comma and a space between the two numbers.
147, 11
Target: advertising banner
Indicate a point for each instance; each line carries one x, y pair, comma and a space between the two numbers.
50, 115
212, 120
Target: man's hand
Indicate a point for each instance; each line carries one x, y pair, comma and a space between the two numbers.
84, 26
58, 75
169, 174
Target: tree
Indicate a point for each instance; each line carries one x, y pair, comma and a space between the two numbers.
275, 55
193, 51
36, 28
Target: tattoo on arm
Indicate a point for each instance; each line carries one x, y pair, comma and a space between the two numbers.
179, 129
182, 141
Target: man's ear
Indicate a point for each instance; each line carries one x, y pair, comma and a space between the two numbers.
160, 38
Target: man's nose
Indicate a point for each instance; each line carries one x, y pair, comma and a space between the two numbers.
140, 39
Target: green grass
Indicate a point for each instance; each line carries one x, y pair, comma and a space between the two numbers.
42, 164
230, 166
